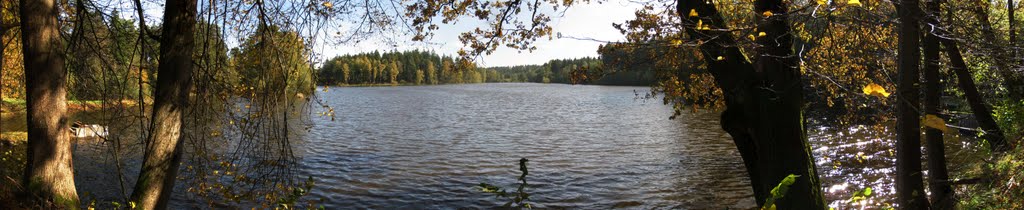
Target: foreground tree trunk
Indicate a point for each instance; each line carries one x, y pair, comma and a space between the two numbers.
174, 78
763, 100
49, 173
938, 176
909, 184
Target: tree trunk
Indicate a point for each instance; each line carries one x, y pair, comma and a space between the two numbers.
174, 78
49, 173
938, 176
1013, 34
763, 100
991, 131
909, 184
1013, 82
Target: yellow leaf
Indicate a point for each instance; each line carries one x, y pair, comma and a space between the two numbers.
854, 3
761, 34
720, 58
875, 90
701, 26
752, 37
328, 4
693, 13
822, 2
767, 14
935, 122
677, 42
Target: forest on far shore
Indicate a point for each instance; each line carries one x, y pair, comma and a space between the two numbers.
427, 68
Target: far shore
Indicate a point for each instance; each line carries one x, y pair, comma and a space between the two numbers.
414, 84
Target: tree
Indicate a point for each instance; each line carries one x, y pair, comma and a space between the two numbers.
419, 77
1012, 81
49, 175
345, 72
447, 71
174, 80
991, 131
88, 53
909, 183
274, 63
11, 68
431, 73
763, 100
938, 177
393, 72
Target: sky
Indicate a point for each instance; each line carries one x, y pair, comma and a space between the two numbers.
592, 21
587, 21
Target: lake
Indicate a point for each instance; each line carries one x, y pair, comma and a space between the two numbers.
589, 147
592, 147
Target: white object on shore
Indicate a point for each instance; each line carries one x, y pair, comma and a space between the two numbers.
79, 130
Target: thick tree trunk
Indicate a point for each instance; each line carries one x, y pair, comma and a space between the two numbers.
1013, 82
992, 133
174, 78
938, 176
49, 173
909, 184
763, 100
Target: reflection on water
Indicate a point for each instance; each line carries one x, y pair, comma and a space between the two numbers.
858, 157
589, 147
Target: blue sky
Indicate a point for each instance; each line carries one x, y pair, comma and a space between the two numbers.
582, 21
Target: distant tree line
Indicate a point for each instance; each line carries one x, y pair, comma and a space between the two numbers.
562, 71
426, 68
409, 67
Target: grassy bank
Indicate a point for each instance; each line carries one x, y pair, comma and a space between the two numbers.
1001, 184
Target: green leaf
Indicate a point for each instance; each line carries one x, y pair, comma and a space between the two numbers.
779, 191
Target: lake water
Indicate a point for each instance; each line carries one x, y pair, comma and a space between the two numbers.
589, 147
592, 147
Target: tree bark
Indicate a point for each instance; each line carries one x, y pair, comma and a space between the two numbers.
174, 78
938, 176
909, 184
763, 100
49, 173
